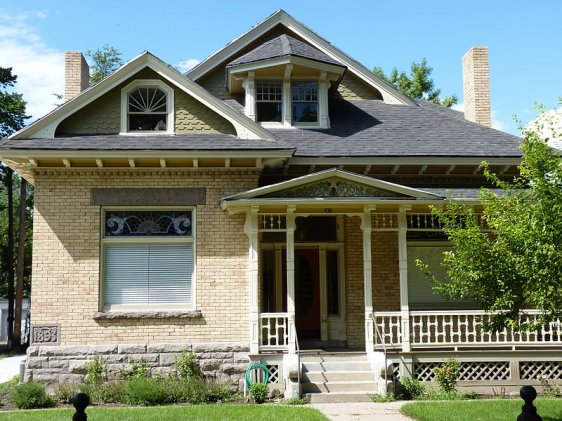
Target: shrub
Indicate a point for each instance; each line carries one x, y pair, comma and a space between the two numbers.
146, 392
447, 375
412, 389
548, 390
31, 395
218, 393
186, 364
259, 392
96, 371
65, 392
138, 370
106, 392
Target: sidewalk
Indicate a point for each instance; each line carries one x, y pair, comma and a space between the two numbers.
362, 411
10, 367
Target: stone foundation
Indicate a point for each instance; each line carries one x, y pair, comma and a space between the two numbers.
51, 365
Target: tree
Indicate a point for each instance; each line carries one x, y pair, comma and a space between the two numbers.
418, 85
515, 263
12, 105
104, 61
12, 118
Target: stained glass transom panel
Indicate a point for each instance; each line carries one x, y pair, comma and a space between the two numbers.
130, 223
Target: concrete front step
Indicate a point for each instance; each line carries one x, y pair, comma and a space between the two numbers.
337, 376
335, 366
336, 387
343, 356
338, 397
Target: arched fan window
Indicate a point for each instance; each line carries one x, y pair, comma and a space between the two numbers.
147, 107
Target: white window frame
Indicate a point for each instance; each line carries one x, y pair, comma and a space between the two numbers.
104, 240
138, 83
287, 102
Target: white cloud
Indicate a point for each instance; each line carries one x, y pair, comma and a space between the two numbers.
185, 65
39, 68
459, 107
497, 123
549, 127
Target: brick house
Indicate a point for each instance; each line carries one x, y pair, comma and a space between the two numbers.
267, 206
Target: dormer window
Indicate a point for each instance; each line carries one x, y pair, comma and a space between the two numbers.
285, 82
269, 100
304, 101
147, 108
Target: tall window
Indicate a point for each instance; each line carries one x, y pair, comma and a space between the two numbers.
269, 100
147, 259
147, 109
305, 101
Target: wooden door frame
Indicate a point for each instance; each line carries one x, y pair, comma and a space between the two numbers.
322, 247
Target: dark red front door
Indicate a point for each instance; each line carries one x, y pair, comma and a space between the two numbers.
307, 292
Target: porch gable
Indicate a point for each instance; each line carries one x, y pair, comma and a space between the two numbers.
333, 183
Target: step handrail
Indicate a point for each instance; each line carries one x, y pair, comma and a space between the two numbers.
381, 338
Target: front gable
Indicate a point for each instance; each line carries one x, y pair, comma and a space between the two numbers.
99, 105
104, 114
210, 72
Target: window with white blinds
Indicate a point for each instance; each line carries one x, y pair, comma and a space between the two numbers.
148, 259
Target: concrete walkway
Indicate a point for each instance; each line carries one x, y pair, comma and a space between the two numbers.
362, 411
10, 367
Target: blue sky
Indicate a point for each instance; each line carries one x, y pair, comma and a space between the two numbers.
524, 38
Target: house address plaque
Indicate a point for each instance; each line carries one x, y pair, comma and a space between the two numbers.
45, 335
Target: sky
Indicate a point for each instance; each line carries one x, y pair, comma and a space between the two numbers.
524, 40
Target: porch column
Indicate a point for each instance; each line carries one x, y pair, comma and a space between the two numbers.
291, 226
367, 277
251, 230
403, 271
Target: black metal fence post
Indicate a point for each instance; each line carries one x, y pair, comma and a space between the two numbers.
80, 402
528, 411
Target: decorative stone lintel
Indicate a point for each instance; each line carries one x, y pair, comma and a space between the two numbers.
114, 315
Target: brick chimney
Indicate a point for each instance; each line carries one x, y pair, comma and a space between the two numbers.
476, 85
76, 74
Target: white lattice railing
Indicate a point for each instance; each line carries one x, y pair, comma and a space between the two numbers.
274, 331
389, 330
462, 329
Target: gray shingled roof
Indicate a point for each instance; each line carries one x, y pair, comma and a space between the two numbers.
373, 128
283, 45
118, 142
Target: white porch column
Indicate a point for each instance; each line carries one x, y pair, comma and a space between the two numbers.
403, 271
291, 226
251, 230
367, 277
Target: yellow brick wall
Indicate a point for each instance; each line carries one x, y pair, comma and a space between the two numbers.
66, 254
352, 88
385, 277
103, 115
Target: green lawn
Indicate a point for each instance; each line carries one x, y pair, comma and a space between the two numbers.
217, 412
480, 410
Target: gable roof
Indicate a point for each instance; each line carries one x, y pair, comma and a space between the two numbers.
390, 93
281, 46
45, 127
273, 190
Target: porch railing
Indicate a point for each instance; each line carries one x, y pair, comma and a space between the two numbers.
274, 331
461, 329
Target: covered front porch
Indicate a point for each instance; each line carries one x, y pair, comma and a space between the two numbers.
332, 267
